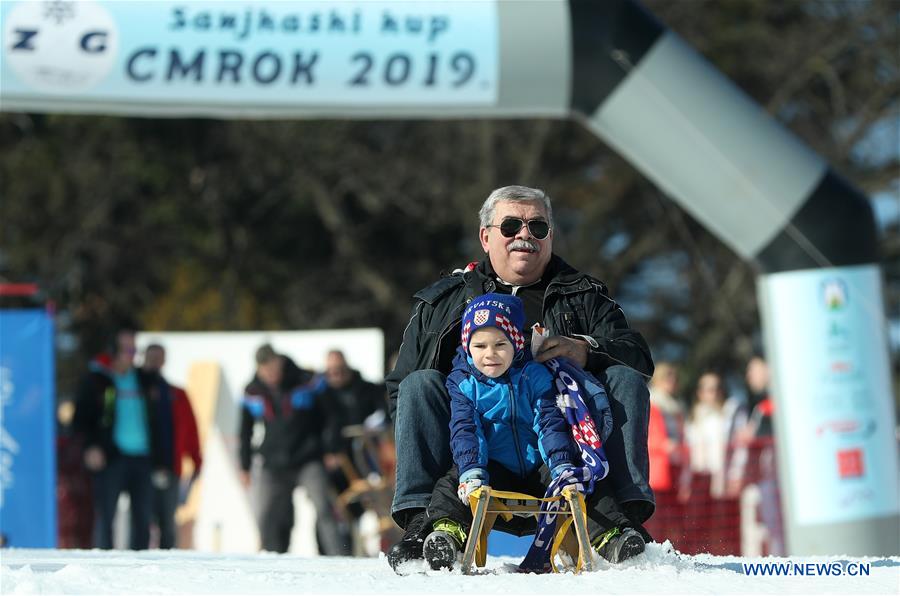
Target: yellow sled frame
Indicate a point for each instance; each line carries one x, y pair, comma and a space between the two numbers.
487, 504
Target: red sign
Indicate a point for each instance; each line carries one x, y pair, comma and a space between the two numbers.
850, 463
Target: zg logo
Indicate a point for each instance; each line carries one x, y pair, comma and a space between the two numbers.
60, 47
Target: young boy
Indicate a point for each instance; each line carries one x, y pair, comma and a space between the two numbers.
507, 430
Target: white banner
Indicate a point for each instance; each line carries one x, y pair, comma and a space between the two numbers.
251, 53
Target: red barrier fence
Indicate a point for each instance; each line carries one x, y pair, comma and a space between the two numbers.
73, 496
738, 513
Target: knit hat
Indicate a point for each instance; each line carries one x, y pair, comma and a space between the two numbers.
503, 311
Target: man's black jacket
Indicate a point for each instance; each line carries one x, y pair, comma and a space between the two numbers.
95, 412
292, 418
348, 406
574, 304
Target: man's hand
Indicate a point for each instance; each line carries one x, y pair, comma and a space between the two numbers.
559, 346
245, 478
94, 459
184, 489
332, 462
744, 435
733, 487
160, 479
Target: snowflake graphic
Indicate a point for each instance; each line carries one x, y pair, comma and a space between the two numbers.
59, 10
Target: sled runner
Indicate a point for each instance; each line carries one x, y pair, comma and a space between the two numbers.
488, 504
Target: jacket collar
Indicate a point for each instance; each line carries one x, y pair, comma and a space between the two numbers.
557, 272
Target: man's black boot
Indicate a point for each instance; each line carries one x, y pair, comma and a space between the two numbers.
410, 546
618, 544
638, 512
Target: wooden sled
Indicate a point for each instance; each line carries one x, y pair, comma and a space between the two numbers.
488, 504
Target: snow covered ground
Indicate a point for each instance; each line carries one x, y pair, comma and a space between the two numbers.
658, 571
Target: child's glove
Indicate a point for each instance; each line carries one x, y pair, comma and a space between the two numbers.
559, 469
469, 481
569, 475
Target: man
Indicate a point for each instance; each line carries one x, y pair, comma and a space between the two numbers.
282, 421
754, 455
349, 400
168, 489
754, 431
586, 326
758, 400
121, 415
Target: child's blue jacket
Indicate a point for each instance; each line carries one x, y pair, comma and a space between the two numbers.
513, 419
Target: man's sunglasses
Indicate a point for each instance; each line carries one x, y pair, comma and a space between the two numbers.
510, 226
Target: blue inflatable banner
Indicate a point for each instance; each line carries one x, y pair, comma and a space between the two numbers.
27, 429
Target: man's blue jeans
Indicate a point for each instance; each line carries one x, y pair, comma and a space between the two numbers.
129, 473
422, 435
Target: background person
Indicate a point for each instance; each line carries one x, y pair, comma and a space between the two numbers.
351, 403
666, 447
709, 431
169, 488
118, 411
754, 458
348, 400
282, 422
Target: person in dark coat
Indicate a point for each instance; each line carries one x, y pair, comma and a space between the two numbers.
355, 414
169, 489
125, 424
349, 400
281, 422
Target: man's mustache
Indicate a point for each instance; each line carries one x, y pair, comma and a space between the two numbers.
520, 244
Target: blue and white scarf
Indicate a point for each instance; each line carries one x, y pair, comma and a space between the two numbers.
571, 384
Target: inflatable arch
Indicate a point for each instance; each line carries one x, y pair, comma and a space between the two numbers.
610, 65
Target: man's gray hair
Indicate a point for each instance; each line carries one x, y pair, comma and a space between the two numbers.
515, 194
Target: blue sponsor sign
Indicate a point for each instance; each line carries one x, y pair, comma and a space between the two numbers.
27, 429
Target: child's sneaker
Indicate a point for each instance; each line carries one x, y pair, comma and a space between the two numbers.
618, 544
443, 545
